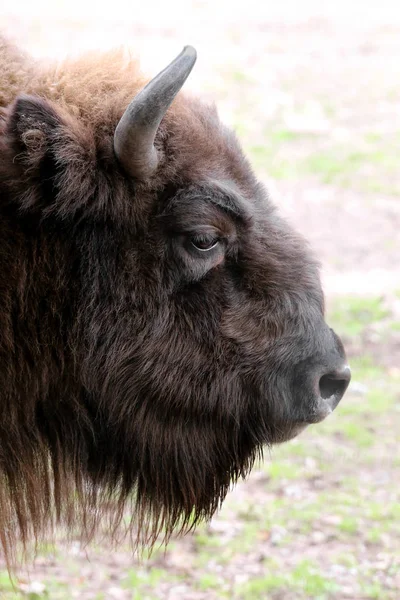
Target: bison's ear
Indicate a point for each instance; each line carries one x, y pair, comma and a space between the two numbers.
29, 166
48, 155
31, 125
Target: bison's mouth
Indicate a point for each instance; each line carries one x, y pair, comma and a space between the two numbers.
289, 432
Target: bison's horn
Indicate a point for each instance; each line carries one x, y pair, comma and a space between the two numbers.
136, 131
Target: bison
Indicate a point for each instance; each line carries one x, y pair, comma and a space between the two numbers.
160, 323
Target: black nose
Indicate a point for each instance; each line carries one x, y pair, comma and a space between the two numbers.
320, 382
328, 388
333, 385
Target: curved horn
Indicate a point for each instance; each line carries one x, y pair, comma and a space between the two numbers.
136, 131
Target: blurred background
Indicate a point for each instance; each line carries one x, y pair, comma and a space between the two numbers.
312, 89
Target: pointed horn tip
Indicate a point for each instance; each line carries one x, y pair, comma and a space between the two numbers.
190, 51
135, 133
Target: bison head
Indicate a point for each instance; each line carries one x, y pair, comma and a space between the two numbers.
160, 322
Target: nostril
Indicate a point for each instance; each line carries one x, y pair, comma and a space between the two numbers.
331, 387
334, 384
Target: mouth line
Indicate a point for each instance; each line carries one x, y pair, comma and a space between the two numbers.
316, 416
319, 417
323, 408
293, 432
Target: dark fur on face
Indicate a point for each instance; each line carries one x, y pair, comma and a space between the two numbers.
150, 333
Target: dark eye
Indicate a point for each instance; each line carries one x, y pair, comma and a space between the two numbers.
204, 242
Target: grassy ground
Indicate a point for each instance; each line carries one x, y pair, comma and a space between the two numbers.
315, 101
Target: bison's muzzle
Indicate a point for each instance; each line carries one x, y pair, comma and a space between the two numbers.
322, 382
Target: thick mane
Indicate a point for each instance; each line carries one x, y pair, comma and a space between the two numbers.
47, 453
65, 460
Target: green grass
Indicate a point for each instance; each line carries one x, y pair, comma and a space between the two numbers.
377, 400
5, 582
282, 470
358, 434
208, 581
137, 578
339, 165
258, 587
365, 369
349, 525
286, 135
306, 578
373, 591
326, 165
366, 163
53, 590
350, 315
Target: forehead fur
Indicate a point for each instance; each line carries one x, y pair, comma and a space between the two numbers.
96, 90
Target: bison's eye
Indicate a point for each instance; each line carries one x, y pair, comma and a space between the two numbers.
204, 242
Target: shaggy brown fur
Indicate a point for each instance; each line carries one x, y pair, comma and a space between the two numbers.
136, 371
